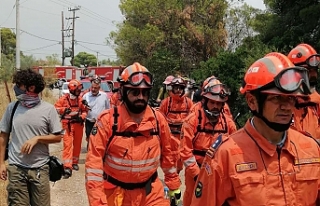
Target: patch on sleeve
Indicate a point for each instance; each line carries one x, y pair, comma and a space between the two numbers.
212, 150
94, 130
198, 190
243, 167
208, 169
307, 161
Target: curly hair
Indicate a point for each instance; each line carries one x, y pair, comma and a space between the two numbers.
28, 78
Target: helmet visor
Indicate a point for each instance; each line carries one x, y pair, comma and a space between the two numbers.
220, 91
293, 79
137, 78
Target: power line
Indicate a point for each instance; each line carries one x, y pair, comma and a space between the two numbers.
39, 36
92, 43
9, 14
39, 48
39, 11
96, 51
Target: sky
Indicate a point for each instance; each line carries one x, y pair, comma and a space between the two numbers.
41, 24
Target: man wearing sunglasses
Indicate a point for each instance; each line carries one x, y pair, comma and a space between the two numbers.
127, 145
265, 162
306, 115
201, 129
176, 108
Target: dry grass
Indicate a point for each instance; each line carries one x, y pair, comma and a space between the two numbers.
4, 100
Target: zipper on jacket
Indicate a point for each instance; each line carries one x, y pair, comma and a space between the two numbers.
280, 173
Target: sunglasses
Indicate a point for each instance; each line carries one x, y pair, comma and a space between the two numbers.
136, 92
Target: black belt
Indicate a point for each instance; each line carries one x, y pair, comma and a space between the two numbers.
132, 186
199, 153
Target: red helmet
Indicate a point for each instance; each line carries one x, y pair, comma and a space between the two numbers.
168, 79
207, 80
276, 74
136, 76
301, 53
74, 85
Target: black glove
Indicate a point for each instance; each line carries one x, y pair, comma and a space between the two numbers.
67, 111
79, 119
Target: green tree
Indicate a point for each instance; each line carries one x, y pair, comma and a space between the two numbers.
288, 23
85, 59
8, 43
190, 30
28, 61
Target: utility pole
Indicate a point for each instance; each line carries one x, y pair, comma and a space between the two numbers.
97, 59
62, 42
17, 35
0, 49
73, 27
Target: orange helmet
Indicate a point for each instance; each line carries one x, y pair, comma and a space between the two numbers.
301, 54
74, 85
207, 80
276, 74
137, 76
168, 79
178, 81
216, 91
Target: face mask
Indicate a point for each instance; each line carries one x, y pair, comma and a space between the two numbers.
18, 91
168, 87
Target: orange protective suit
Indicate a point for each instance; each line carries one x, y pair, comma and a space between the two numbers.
115, 99
176, 109
121, 169
306, 119
248, 170
198, 135
226, 109
73, 129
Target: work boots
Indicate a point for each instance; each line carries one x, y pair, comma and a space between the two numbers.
75, 167
67, 173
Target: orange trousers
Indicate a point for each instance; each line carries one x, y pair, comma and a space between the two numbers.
137, 197
188, 193
72, 144
177, 148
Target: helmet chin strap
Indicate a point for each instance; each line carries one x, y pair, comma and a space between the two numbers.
273, 125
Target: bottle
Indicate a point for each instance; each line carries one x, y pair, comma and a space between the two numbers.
166, 193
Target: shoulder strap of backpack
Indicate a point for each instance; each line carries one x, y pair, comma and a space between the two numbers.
114, 130
12, 114
157, 122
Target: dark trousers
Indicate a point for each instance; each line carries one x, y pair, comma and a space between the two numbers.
89, 125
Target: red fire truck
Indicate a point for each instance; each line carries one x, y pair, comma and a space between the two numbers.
110, 73
59, 72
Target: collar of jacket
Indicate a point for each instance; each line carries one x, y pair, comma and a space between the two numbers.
265, 145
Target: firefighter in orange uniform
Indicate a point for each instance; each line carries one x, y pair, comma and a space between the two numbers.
306, 116
201, 129
115, 99
127, 145
198, 106
73, 113
265, 162
176, 108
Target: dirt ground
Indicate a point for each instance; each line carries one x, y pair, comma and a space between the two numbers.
72, 191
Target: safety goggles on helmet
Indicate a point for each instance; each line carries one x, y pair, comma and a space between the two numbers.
313, 61
137, 78
291, 80
178, 81
219, 89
